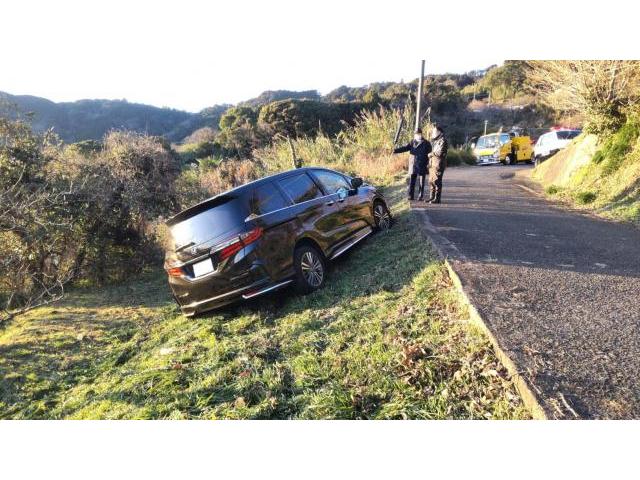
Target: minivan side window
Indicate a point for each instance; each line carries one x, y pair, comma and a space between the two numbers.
300, 188
267, 198
332, 182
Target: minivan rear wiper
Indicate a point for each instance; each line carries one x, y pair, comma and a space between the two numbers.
186, 245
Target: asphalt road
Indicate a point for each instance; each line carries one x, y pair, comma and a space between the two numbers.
559, 289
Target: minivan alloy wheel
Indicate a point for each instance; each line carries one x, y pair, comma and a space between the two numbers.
381, 216
312, 269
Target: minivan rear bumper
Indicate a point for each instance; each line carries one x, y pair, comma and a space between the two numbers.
221, 300
245, 293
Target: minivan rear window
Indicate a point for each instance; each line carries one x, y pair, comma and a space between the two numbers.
227, 214
300, 188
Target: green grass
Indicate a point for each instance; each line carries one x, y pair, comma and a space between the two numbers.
386, 338
612, 153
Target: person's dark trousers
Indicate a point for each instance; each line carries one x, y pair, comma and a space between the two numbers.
435, 187
412, 186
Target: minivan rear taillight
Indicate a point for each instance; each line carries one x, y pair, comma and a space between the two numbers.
175, 272
242, 241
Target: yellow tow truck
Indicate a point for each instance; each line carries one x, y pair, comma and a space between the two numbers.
507, 148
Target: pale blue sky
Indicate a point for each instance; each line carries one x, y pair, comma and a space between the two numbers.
191, 54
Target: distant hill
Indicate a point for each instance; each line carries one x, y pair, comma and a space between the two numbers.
269, 96
91, 119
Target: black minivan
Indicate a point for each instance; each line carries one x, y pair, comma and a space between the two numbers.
268, 234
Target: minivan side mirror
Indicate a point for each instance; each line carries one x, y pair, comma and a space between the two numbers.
356, 182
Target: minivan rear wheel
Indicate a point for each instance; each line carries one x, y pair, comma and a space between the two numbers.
310, 269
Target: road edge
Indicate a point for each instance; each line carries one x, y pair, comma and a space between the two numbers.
529, 398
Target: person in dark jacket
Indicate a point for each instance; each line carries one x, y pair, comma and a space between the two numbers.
418, 169
437, 163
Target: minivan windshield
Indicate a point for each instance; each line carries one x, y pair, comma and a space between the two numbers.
567, 134
210, 223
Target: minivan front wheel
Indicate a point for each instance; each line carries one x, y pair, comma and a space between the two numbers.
381, 216
310, 269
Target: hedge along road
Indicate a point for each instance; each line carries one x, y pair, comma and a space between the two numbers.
558, 289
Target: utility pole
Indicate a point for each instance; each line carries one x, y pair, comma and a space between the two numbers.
485, 126
419, 99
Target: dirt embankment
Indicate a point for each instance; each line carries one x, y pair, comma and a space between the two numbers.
559, 169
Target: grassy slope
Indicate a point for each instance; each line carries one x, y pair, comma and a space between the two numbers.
603, 177
386, 338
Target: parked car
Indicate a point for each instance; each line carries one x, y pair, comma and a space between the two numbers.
550, 143
267, 234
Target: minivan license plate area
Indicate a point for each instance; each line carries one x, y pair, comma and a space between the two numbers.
202, 268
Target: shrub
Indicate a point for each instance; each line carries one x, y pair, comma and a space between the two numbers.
192, 152
584, 198
36, 220
123, 188
461, 156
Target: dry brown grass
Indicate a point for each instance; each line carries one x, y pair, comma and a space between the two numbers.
228, 174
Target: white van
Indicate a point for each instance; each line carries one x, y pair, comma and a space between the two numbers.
550, 143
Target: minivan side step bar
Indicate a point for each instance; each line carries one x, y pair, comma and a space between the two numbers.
367, 231
249, 295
